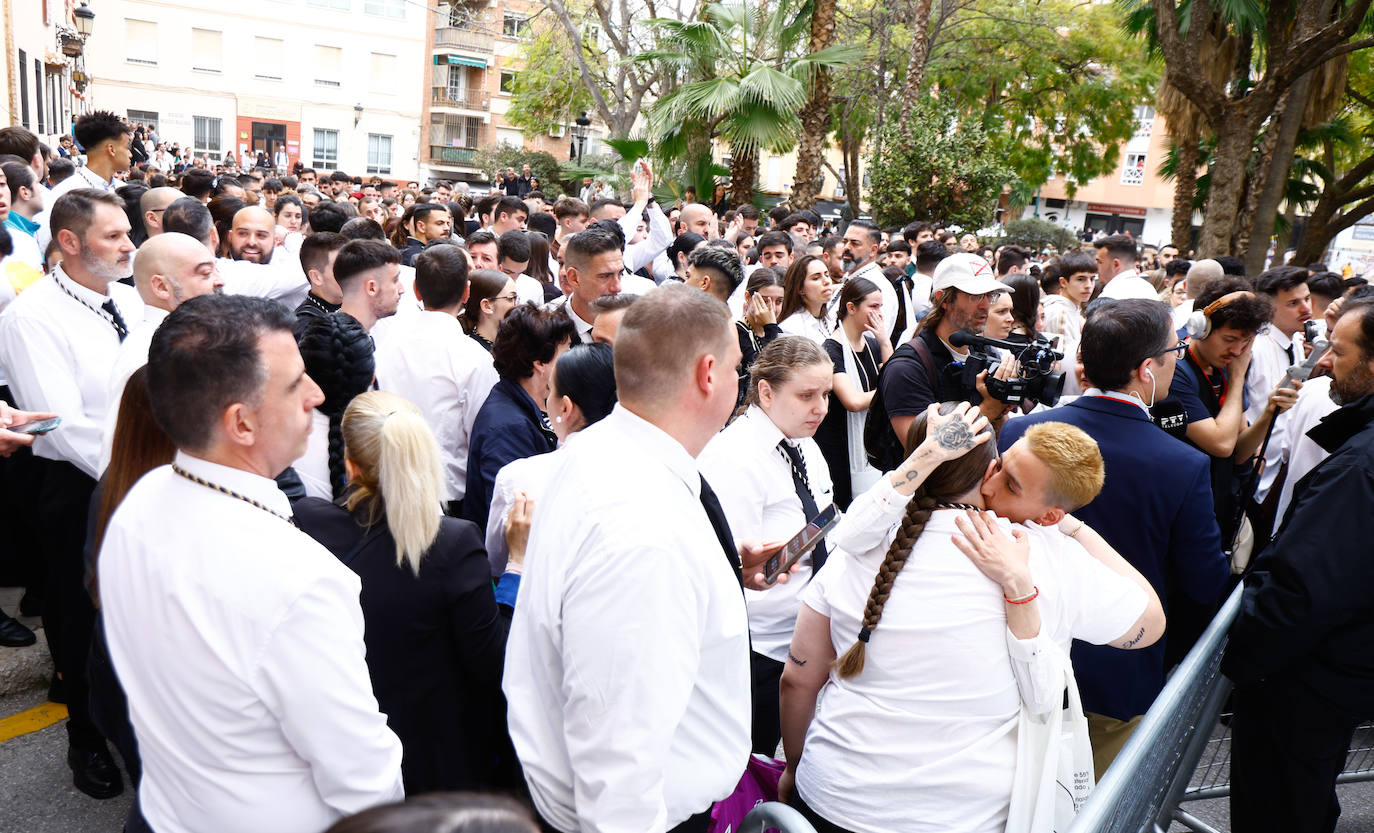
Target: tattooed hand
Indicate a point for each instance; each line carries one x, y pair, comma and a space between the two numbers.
949, 436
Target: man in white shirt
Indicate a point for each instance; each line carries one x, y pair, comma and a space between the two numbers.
250, 269
861, 243
592, 267
433, 364
660, 232
171, 268
105, 138
1278, 346
238, 639
627, 669
1116, 255
58, 342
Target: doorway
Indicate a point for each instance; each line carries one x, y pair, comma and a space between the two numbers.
268, 137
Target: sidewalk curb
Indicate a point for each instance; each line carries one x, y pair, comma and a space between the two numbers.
24, 669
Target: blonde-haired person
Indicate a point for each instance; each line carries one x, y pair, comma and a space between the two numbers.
435, 635
771, 478
940, 615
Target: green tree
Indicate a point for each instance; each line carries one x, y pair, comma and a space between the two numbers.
542, 165
742, 73
935, 166
549, 93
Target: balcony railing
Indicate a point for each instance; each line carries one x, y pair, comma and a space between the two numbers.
452, 37
444, 154
455, 97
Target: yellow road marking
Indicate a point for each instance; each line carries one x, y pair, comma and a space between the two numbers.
31, 720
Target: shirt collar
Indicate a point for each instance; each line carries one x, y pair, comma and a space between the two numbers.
21, 222
153, 315
246, 483
95, 180
1117, 396
1276, 335
763, 425
666, 449
82, 293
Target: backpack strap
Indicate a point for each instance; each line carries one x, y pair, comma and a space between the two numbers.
919, 345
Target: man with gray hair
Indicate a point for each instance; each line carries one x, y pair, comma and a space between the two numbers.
238, 639
627, 670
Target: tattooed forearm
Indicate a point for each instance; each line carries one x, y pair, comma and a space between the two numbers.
1133, 641
793, 659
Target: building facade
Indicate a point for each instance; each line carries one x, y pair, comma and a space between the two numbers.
44, 81
334, 83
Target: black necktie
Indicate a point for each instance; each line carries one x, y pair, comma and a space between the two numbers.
119, 325
716, 516
1289, 351
903, 283
802, 484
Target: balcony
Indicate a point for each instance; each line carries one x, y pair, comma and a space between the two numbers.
462, 40
444, 155
465, 99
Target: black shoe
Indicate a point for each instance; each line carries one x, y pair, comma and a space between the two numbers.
13, 634
94, 772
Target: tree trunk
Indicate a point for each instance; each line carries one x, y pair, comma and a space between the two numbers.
1290, 216
1267, 203
1235, 137
815, 116
744, 172
916, 66
1315, 234
1256, 181
850, 146
1185, 187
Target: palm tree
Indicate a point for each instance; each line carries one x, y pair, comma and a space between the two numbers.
815, 116
744, 76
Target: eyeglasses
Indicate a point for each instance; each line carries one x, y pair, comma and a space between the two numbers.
511, 298
1177, 349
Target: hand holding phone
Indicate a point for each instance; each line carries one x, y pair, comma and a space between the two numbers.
800, 544
37, 426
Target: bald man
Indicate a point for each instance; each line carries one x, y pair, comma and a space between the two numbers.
699, 219
152, 204
250, 268
1199, 275
170, 269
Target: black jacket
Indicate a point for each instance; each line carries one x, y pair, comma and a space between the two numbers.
1307, 614
436, 644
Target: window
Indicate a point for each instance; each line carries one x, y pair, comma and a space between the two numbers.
513, 25
269, 58
341, 5
455, 131
24, 86
839, 185
378, 154
382, 77
207, 135
326, 155
328, 66
38, 89
1144, 119
507, 81
140, 42
207, 50
1134, 171
385, 8
147, 118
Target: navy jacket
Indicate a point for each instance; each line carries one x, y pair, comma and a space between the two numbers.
1155, 509
509, 426
1306, 614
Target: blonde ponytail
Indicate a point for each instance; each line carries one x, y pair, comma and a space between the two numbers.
399, 470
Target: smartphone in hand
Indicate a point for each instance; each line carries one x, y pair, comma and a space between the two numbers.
38, 426
801, 544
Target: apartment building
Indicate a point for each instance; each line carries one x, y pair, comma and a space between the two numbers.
333, 82
44, 75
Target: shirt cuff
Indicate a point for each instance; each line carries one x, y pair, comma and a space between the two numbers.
507, 589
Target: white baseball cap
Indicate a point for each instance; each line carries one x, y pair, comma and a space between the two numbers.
969, 273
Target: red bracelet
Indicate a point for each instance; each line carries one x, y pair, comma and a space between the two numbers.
1025, 599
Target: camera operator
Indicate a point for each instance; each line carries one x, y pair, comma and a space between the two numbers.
928, 368
1155, 507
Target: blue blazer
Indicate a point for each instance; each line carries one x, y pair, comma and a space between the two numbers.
1155, 509
509, 426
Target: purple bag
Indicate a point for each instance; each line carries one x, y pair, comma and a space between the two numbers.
758, 784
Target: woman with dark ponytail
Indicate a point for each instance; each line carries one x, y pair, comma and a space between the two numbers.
925, 630
338, 356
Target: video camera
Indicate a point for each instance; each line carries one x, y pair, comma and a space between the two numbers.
1038, 382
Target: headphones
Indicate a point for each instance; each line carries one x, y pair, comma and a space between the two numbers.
1200, 323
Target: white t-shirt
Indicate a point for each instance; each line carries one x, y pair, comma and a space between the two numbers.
925, 738
1129, 285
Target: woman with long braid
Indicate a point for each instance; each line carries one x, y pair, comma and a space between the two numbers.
938, 632
338, 356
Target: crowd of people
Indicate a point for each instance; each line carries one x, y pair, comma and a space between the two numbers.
359, 492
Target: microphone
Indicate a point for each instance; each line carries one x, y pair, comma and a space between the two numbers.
963, 338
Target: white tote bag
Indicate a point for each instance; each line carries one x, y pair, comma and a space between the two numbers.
1054, 764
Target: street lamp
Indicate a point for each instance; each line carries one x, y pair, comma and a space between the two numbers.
357, 114
582, 123
85, 20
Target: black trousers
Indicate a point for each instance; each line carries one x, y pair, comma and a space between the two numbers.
816, 819
68, 615
700, 823
765, 677
21, 559
1287, 747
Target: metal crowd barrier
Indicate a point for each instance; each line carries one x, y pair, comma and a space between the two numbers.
773, 815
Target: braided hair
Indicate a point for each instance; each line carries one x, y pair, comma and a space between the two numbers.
338, 355
950, 479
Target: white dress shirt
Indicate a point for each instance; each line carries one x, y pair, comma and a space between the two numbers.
526, 474
528, 290
58, 352
312, 467
1182, 312
753, 480
660, 237
803, 323
1129, 284
239, 642
132, 355
281, 279
924, 739
83, 177
1292, 443
627, 669
431, 362
1268, 363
